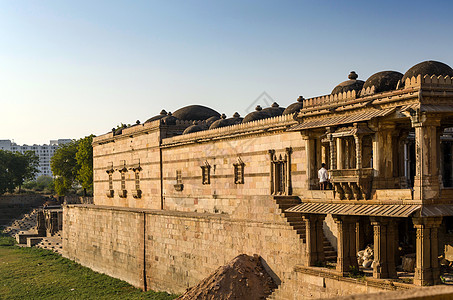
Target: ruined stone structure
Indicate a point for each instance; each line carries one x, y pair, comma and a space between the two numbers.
183, 193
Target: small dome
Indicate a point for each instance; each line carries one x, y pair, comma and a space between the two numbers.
258, 114
295, 107
274, 110
236, 119
162, 114
195, 112
382, 81
349, 85
212, 119
429, 67
169, 119
193, 128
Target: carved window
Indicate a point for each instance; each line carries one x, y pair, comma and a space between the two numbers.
178, 177
137, 193
137, 180
280, 183
109, 172
206, 174
239, 172
178, 186
110, 181
123, 192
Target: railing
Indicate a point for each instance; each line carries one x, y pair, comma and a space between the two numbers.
348, 175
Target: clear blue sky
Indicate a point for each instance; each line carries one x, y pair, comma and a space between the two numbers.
71, 68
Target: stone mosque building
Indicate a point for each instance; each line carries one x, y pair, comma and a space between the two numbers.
185, 192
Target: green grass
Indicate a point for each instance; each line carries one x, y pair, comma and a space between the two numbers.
32, 273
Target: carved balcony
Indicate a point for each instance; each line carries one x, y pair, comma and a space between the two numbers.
122, 193
352, 184
137, 193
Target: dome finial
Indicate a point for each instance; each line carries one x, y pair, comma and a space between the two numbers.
223, 116
300, 99
258, 108
275, 104
353, 75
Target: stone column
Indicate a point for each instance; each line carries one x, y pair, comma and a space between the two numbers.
271, 176
358, 151
384, 247
289, 191
427, 145
383, 155
310, 150
340, 154
346, 247
333, 152
314, 238
426, 261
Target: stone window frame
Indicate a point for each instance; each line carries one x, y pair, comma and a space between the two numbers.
178, 186
123, 191
239, 172
110, 192
280, 172
206, 173
137, 192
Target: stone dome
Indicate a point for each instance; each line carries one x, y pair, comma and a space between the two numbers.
275, 110
429, 67
193, 128
195, 112
169, 119
162, 114
295, 107
382, 81
349, 85
258, 114
236, 119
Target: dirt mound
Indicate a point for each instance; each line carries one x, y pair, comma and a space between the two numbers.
242, 278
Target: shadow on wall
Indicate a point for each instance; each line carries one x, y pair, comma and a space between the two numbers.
330, 235
270, 272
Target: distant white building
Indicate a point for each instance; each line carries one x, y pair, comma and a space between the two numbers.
44, 152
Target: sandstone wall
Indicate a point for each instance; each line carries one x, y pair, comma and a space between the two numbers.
223, 194
128, 151
181, 248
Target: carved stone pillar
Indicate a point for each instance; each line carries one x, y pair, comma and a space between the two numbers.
384, 247
426, 261
289, 191
333, 149
427, 146
358, 151
346, 248
340, 154
41, 223
383, 159
271, 177
314, 238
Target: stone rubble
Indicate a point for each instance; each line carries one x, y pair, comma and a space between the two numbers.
242, 278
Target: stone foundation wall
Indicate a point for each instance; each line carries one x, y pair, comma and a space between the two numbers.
181, 248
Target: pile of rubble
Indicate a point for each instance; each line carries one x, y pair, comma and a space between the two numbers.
243, 278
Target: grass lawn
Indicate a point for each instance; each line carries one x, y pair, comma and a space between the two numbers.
32, 273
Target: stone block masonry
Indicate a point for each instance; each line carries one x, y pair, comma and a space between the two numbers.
172, 250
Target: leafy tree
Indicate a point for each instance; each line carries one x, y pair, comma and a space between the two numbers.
84, 159
15, 168
64, 167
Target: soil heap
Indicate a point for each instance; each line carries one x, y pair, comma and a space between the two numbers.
242, 278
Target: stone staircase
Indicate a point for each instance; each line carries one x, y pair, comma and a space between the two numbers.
295, 220
53, 243
22, 225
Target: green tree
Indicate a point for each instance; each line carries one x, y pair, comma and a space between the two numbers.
84, 159
15, 168
64, 167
